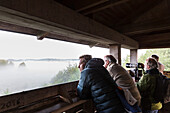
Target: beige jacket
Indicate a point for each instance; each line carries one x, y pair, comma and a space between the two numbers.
125, 81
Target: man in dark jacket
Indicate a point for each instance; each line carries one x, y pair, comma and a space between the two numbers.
96, 84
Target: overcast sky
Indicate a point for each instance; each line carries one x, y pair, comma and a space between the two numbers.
20, 46
14, 45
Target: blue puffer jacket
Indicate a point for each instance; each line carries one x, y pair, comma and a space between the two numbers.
96, 84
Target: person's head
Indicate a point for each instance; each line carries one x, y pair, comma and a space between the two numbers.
108, 59
151, 63
83, 60
155, 57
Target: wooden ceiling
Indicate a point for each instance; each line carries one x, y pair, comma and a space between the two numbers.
145, 21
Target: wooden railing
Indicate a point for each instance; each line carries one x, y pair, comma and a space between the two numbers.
55, 99
167, 73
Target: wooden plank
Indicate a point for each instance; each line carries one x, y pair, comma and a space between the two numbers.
157, 42
155, 38
138, 12
167, 73
79, 5
9, 102
146, 26
153, 20
27, 97
103, 6
66, 108
158, 45
36, 106
91, 5
87, 107
60, 20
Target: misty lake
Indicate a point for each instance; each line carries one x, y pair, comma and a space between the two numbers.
34, 75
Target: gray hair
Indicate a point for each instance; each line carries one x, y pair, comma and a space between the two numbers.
152, 63
110, 58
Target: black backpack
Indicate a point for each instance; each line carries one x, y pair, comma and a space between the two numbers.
161, 88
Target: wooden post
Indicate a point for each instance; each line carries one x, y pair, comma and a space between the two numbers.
115, 50
133, 56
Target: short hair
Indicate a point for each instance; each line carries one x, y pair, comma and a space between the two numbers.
111, 59
155, 56
152, 63
86, 58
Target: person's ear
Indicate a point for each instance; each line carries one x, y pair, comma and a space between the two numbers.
83, 65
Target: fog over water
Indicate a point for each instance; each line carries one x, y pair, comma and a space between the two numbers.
34, 75
37, 73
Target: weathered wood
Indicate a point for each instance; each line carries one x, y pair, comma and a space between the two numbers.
154, 38
97, 2
88, 107
31, 97
103, 6
167, 73
54, 19
69, 106
161, 40
83, 105
139, 11
157, 45
146, 26
36, 106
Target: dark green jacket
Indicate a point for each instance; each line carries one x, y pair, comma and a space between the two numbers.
146, 86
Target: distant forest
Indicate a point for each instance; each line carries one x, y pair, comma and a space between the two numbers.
9, 62
43, 59
164, 57
72, 73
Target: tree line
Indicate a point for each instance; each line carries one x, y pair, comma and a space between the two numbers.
164, 57
72, 73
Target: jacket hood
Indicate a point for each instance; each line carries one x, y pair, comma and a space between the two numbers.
94, 62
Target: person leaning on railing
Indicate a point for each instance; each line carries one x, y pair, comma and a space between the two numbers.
95, 83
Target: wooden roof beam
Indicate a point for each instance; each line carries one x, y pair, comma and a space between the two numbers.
60, 20
146, 27
103, 6
154, 45
154, 41
138, 12
155, 38
91, 5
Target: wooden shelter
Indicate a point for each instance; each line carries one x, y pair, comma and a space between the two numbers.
131, 24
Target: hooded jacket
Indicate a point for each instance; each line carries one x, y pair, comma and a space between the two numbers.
146, 86
96, 84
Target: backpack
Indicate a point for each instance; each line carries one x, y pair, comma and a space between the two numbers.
129, 108
161, 88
